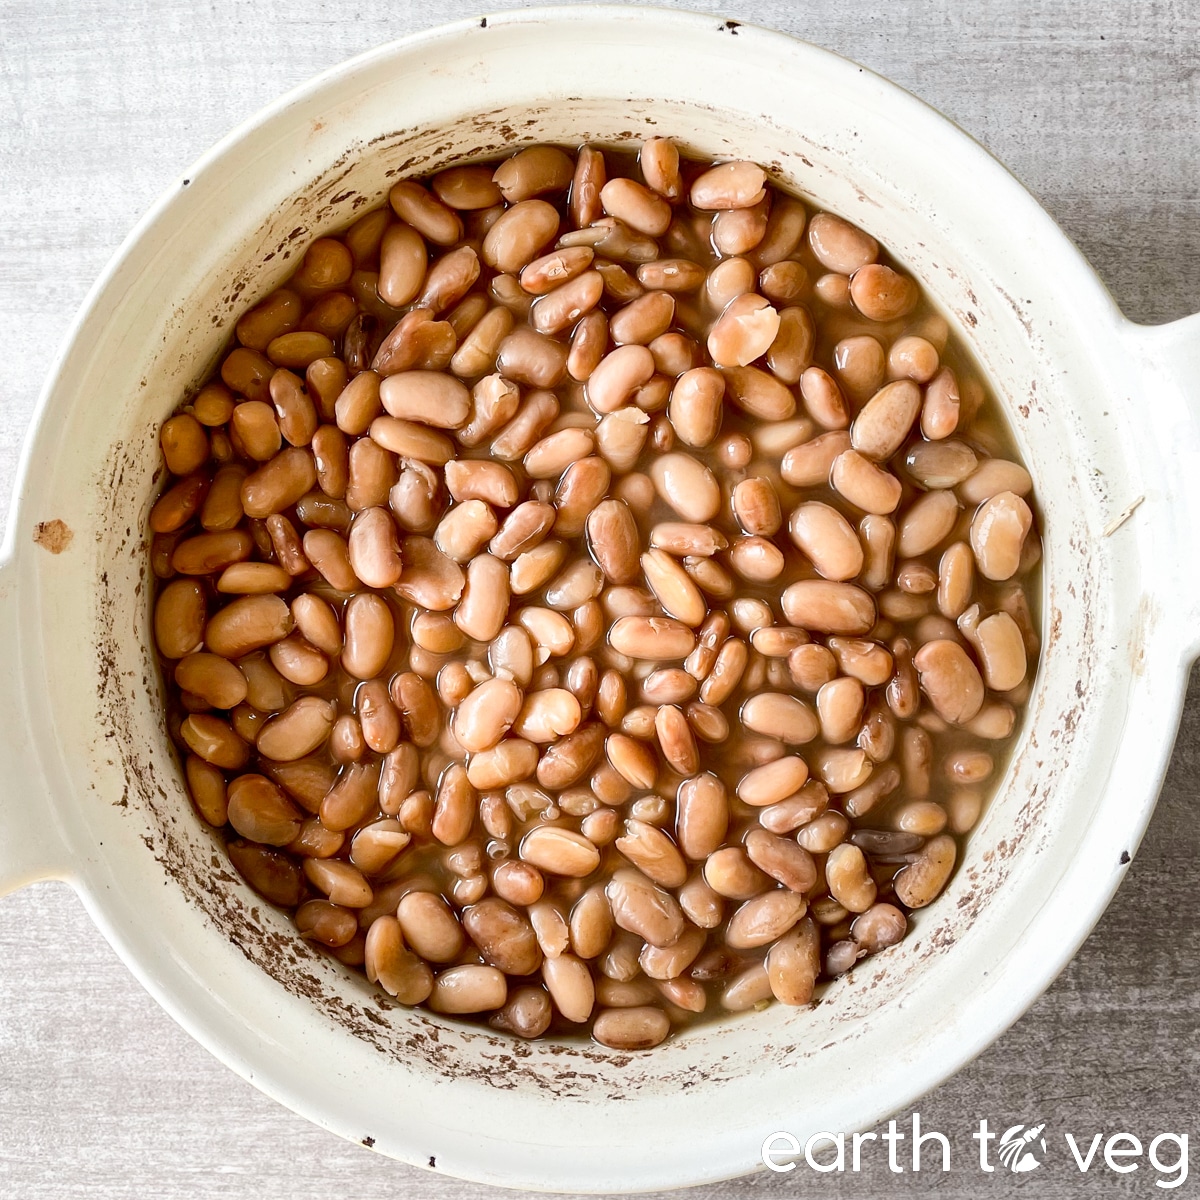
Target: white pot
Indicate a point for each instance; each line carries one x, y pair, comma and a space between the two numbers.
1105, 413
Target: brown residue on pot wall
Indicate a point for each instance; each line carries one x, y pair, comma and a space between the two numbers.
54, 536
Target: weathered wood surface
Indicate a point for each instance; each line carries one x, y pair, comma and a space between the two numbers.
1095, 106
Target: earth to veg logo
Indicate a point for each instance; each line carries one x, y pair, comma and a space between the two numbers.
1019, 1149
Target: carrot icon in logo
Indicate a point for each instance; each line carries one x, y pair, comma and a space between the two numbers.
1019, 1146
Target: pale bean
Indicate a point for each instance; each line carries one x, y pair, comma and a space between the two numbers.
532, 172
487, 714
481, 611
473, 479
1001, 650
756, 506
524, 528
526, 356
940, 464
828, 607
922, 881
375, 846
636, 205
738, 231
513, 759
631, 758
860, 364
618, 375
259, 810
476, 353
865, 484
468, 989
222, 508
747, 990
993, 476
849, 879
591, 923
730, 185
326, 923
613, 540
394, 967
782, 859
809, 464
881, 294
643, 320
867, 661
687, 540
840, 246
578, 583
884, 422
687, 485
758, 393
674, 354
956, 580
793, 964
659, 160
773, 781
843, 769
551, 633
671, 275
926, 523
465, 530
466, 188
668, 685
998, 532
426, 397
653, 852
941, 407
776, 715
764, 919
655, 639
620, 436
744, 331
454, 806
521, 231
638, 1028
246, 624
641, 908
548, 715
412, 203
298, 660
179, 619
503, 935
727, 672
549, 272
730, 278
950, 680
969, 766
827, 539
560, 309
560, 852
674, 589
580, 489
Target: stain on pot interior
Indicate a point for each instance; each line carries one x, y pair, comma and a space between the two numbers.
193, 859
54, 535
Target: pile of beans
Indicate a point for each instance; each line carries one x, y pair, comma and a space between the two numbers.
593, 591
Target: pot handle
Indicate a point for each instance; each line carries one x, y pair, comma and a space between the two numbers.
31, 847
1169, 356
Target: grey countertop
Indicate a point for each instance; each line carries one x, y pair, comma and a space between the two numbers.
1096, 106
